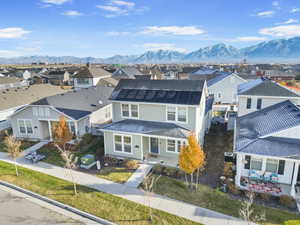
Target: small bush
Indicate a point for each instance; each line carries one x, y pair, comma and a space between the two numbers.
286, 200
86, 139
158, 169
227, 171
265, 196
106, 171
233, 189
171, 172
131, 164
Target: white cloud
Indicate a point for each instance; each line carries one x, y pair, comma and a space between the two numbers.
265, 14
294, 10
56, 2
162, 46
288, 22
114, 8
173, 30
116, 33
275, 3
13, 32
72, 13
282, 31
250, 38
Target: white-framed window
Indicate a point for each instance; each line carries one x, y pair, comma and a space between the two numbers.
256, 164
174, 145
177, 114
123, 143
130, 110
25, 127
71, 125
83, 80
272, 165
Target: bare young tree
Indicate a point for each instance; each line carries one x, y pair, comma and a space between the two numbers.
247, 212
13, 149
61, 136
149, 183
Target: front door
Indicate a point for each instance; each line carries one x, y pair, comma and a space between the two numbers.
154, 145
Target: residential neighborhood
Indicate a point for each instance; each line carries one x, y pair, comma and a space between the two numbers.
126, 112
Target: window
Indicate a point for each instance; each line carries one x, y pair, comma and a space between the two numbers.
219, 95
171, 146
247, 163
248, 103
256, 164
82, 81
259, 102
181, 114
41, 111
174, 145
281, 167
178, 114
123, 144
272, 166
71, 125
130, 110
25, 127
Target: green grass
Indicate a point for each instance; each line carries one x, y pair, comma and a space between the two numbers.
107, 206
215, 200
52, 155
115, 174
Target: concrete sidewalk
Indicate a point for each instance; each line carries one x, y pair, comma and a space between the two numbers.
138, 176
35, 147
188, 211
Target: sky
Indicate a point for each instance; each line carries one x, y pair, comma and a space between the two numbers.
103, 28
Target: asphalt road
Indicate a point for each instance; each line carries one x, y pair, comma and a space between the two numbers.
15, 210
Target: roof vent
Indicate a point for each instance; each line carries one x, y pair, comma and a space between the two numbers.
93, 105
100, 102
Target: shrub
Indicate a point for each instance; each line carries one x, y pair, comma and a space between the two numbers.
171, 172
233, 189
227, 171
86, 139
265, 196
105, 171
158, 169
132, 164
286, 200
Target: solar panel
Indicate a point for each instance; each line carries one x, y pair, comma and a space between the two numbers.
160, 94
141, 94
123, 93
132, 93
171, 94
150, 95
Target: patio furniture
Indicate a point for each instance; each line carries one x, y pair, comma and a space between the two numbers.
253, 175
87, 161
35, 157
274, 178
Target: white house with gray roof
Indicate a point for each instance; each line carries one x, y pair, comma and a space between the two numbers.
80, 108
267, 149
153, 118
261, 93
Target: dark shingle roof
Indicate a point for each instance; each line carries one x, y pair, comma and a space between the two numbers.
254, 126
209, 103
159, 91
262, 87
148, 127
78, 104
91, 72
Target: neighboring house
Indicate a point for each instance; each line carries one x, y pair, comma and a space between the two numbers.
89, 76
16, 98
267, 148
80, 108
203, 74
12, 82
108, 82
153, 118
56, 77
260, 93
224, 87
129, 73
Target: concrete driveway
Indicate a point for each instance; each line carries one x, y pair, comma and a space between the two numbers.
15, 210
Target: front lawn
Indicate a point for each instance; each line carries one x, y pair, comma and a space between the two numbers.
106, 206
115, 174
213, 199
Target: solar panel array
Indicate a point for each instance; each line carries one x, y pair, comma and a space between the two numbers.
160, 96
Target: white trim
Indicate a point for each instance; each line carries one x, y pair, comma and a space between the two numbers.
157, 145
26, 134
177, 151
261, 96
122, 143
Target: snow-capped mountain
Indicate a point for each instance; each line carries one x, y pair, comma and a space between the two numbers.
282, 50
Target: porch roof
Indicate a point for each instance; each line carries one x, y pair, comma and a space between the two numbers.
148, 128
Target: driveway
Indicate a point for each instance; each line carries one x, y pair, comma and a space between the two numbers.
16, 210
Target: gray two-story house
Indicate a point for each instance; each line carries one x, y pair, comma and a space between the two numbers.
152, 119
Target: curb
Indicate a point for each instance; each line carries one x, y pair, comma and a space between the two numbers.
58, 204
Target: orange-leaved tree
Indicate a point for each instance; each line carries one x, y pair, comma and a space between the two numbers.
192, 159
61, 136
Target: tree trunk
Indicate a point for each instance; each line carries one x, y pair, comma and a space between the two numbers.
192, 181
186, 180
73, 180
16, 167
197, 179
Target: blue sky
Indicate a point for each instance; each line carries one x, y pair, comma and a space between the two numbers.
102, 28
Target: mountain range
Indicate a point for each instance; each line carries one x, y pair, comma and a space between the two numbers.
281, 50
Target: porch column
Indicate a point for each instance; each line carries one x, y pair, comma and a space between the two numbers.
294, 181
76, 129
50, 129
239, 167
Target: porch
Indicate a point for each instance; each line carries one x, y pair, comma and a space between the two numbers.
46, 128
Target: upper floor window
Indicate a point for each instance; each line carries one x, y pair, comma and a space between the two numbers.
259, 103
248, 103
130, 110
178, 113
82, 81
